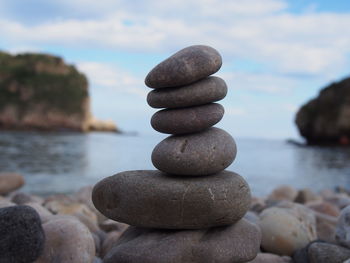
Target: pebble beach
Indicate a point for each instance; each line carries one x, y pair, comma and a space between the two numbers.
296, 225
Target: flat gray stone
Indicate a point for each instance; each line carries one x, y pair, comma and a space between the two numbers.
202, 153
185, 67
187, 120
207, 90
231, 244
153, 199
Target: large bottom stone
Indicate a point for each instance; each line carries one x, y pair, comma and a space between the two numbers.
157, 200
235, 243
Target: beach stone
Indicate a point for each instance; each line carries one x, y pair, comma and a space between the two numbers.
83, 195
110, 241
23, 198
324, 207
340, 200
21, 234
67, 241
205, 91
154, 199
185, 67
283, 192
325, 225
57, 206
111, 225
342, 232
187, 120
252, 218
234, 243
45, 215
320, 252
307, 195
271, 258
202, 153
286, 229
10, 182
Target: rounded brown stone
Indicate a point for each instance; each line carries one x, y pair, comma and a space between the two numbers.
185, 67
187, 120
154, 199
230, 244
202, 153
208, 90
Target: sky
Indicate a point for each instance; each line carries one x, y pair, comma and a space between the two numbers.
277, 54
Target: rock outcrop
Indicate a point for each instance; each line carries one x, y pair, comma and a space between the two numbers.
42, 92
326, 119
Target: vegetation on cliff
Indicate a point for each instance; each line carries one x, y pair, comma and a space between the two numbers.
42, 92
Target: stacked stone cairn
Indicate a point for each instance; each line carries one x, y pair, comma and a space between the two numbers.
190, 209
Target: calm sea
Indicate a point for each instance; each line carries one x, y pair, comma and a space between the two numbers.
64, 162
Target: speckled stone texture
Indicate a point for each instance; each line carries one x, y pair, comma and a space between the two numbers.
187, 120
208, 90
22, 237
231, 244
185, 67
153, 199
202, 153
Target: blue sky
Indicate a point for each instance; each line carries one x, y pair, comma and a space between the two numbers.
277, 54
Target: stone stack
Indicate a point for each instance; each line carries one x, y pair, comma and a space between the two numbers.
190, 209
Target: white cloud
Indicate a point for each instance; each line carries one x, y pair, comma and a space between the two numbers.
110, 76
263, 31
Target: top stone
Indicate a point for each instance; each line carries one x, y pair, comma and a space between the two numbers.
185, 67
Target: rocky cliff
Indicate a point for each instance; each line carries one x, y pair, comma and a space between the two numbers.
41, 92
326, 119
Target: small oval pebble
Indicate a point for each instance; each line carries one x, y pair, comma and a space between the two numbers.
208, 90
202, 153
185, 67
187, 120
153, 199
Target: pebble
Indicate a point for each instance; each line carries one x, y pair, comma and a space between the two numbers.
21, 234
320, 252
157, 200
204, 153
307, 195
45, 215
67, 241
205, 91
187, 120
324, 207
283, 192
343, 228
230, 244
10, 182
111, 225
24, 198
185, 67
325, 225
109, 242
286, 229
271, 258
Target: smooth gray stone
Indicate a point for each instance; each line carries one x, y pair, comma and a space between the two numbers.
156, 200
22, 237
185, 67
327, 253
187, 120
207, 90
202, 153
231, 244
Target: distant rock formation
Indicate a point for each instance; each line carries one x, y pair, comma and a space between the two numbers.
41, 92
326, 119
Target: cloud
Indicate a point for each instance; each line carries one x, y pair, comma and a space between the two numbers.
110, 76
315, 44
